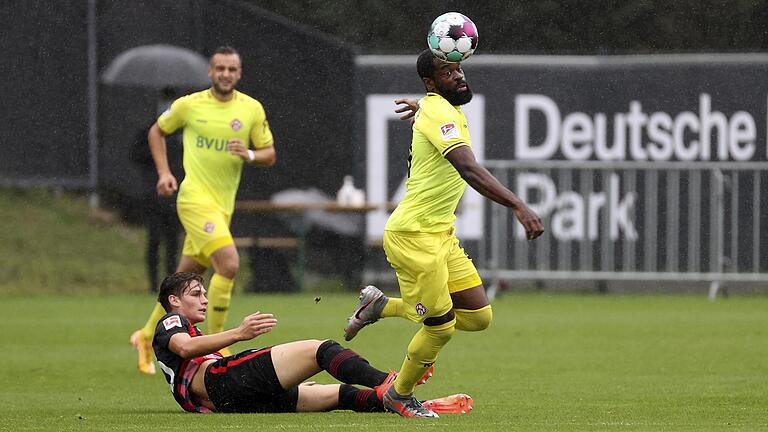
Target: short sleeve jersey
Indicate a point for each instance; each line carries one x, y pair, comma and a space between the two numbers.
177, 370
212, 172
434, 187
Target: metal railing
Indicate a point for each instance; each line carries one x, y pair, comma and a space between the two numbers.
632, 221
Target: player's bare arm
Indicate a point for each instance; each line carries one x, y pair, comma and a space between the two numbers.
409, 108
252, 326
487, 185
166, 182
261, 157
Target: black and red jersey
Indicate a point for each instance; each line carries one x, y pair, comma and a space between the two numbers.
177, 370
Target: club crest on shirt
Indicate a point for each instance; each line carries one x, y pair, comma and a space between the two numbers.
449, 130
209, 227
421, 309
171, 322
236, 125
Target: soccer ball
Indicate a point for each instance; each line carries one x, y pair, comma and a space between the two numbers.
452, 37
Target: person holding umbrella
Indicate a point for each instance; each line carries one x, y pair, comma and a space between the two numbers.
223, 129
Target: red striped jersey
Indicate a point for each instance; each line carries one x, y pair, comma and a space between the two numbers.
177, 370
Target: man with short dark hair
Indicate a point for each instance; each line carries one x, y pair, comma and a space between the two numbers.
223, 129
261, 380
439, 284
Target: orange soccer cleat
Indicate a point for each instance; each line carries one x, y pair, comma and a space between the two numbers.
459, 403
384, 386
146, 355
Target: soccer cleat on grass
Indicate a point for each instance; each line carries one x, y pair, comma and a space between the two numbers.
406, 406
384, 386
144, 347
387, 383
459, 403
368, 311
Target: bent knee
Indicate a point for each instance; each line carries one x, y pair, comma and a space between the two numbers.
474, 320
229, 269
441, 333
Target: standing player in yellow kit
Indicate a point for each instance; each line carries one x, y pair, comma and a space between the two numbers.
220, 126
439, 284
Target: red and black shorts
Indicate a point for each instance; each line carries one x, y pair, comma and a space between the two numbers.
247, 383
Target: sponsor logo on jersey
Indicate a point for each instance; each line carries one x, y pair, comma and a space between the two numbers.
209, 227
449, 130
236, 125
171, 322
421, 309
217, 144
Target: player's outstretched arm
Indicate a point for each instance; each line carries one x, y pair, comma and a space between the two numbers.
253, 325
487, 185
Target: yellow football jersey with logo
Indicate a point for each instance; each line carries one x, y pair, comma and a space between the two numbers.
434, 187
212, 173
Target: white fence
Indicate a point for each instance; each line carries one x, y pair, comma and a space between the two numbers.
632, 221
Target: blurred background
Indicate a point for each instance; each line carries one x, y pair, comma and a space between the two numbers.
636, 129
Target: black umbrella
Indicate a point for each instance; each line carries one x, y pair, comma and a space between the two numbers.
158, 67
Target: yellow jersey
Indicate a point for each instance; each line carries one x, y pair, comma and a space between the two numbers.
434, 187
212, 173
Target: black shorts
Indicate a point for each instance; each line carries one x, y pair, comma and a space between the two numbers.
247, 383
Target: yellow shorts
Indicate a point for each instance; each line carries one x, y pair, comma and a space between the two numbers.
429, 267
207, 230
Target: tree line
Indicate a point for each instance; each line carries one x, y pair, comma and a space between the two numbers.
542, 26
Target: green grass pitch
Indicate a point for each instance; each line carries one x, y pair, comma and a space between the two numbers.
548, 363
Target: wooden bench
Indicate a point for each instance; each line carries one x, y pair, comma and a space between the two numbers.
267, 242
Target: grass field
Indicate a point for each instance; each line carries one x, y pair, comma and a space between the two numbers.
71, 293
51, 242
55, 244
548, 363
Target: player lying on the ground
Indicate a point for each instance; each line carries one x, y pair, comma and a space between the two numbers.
261, 380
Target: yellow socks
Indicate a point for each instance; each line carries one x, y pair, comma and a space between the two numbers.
149, 328
422, 353
219, 297
473, 320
